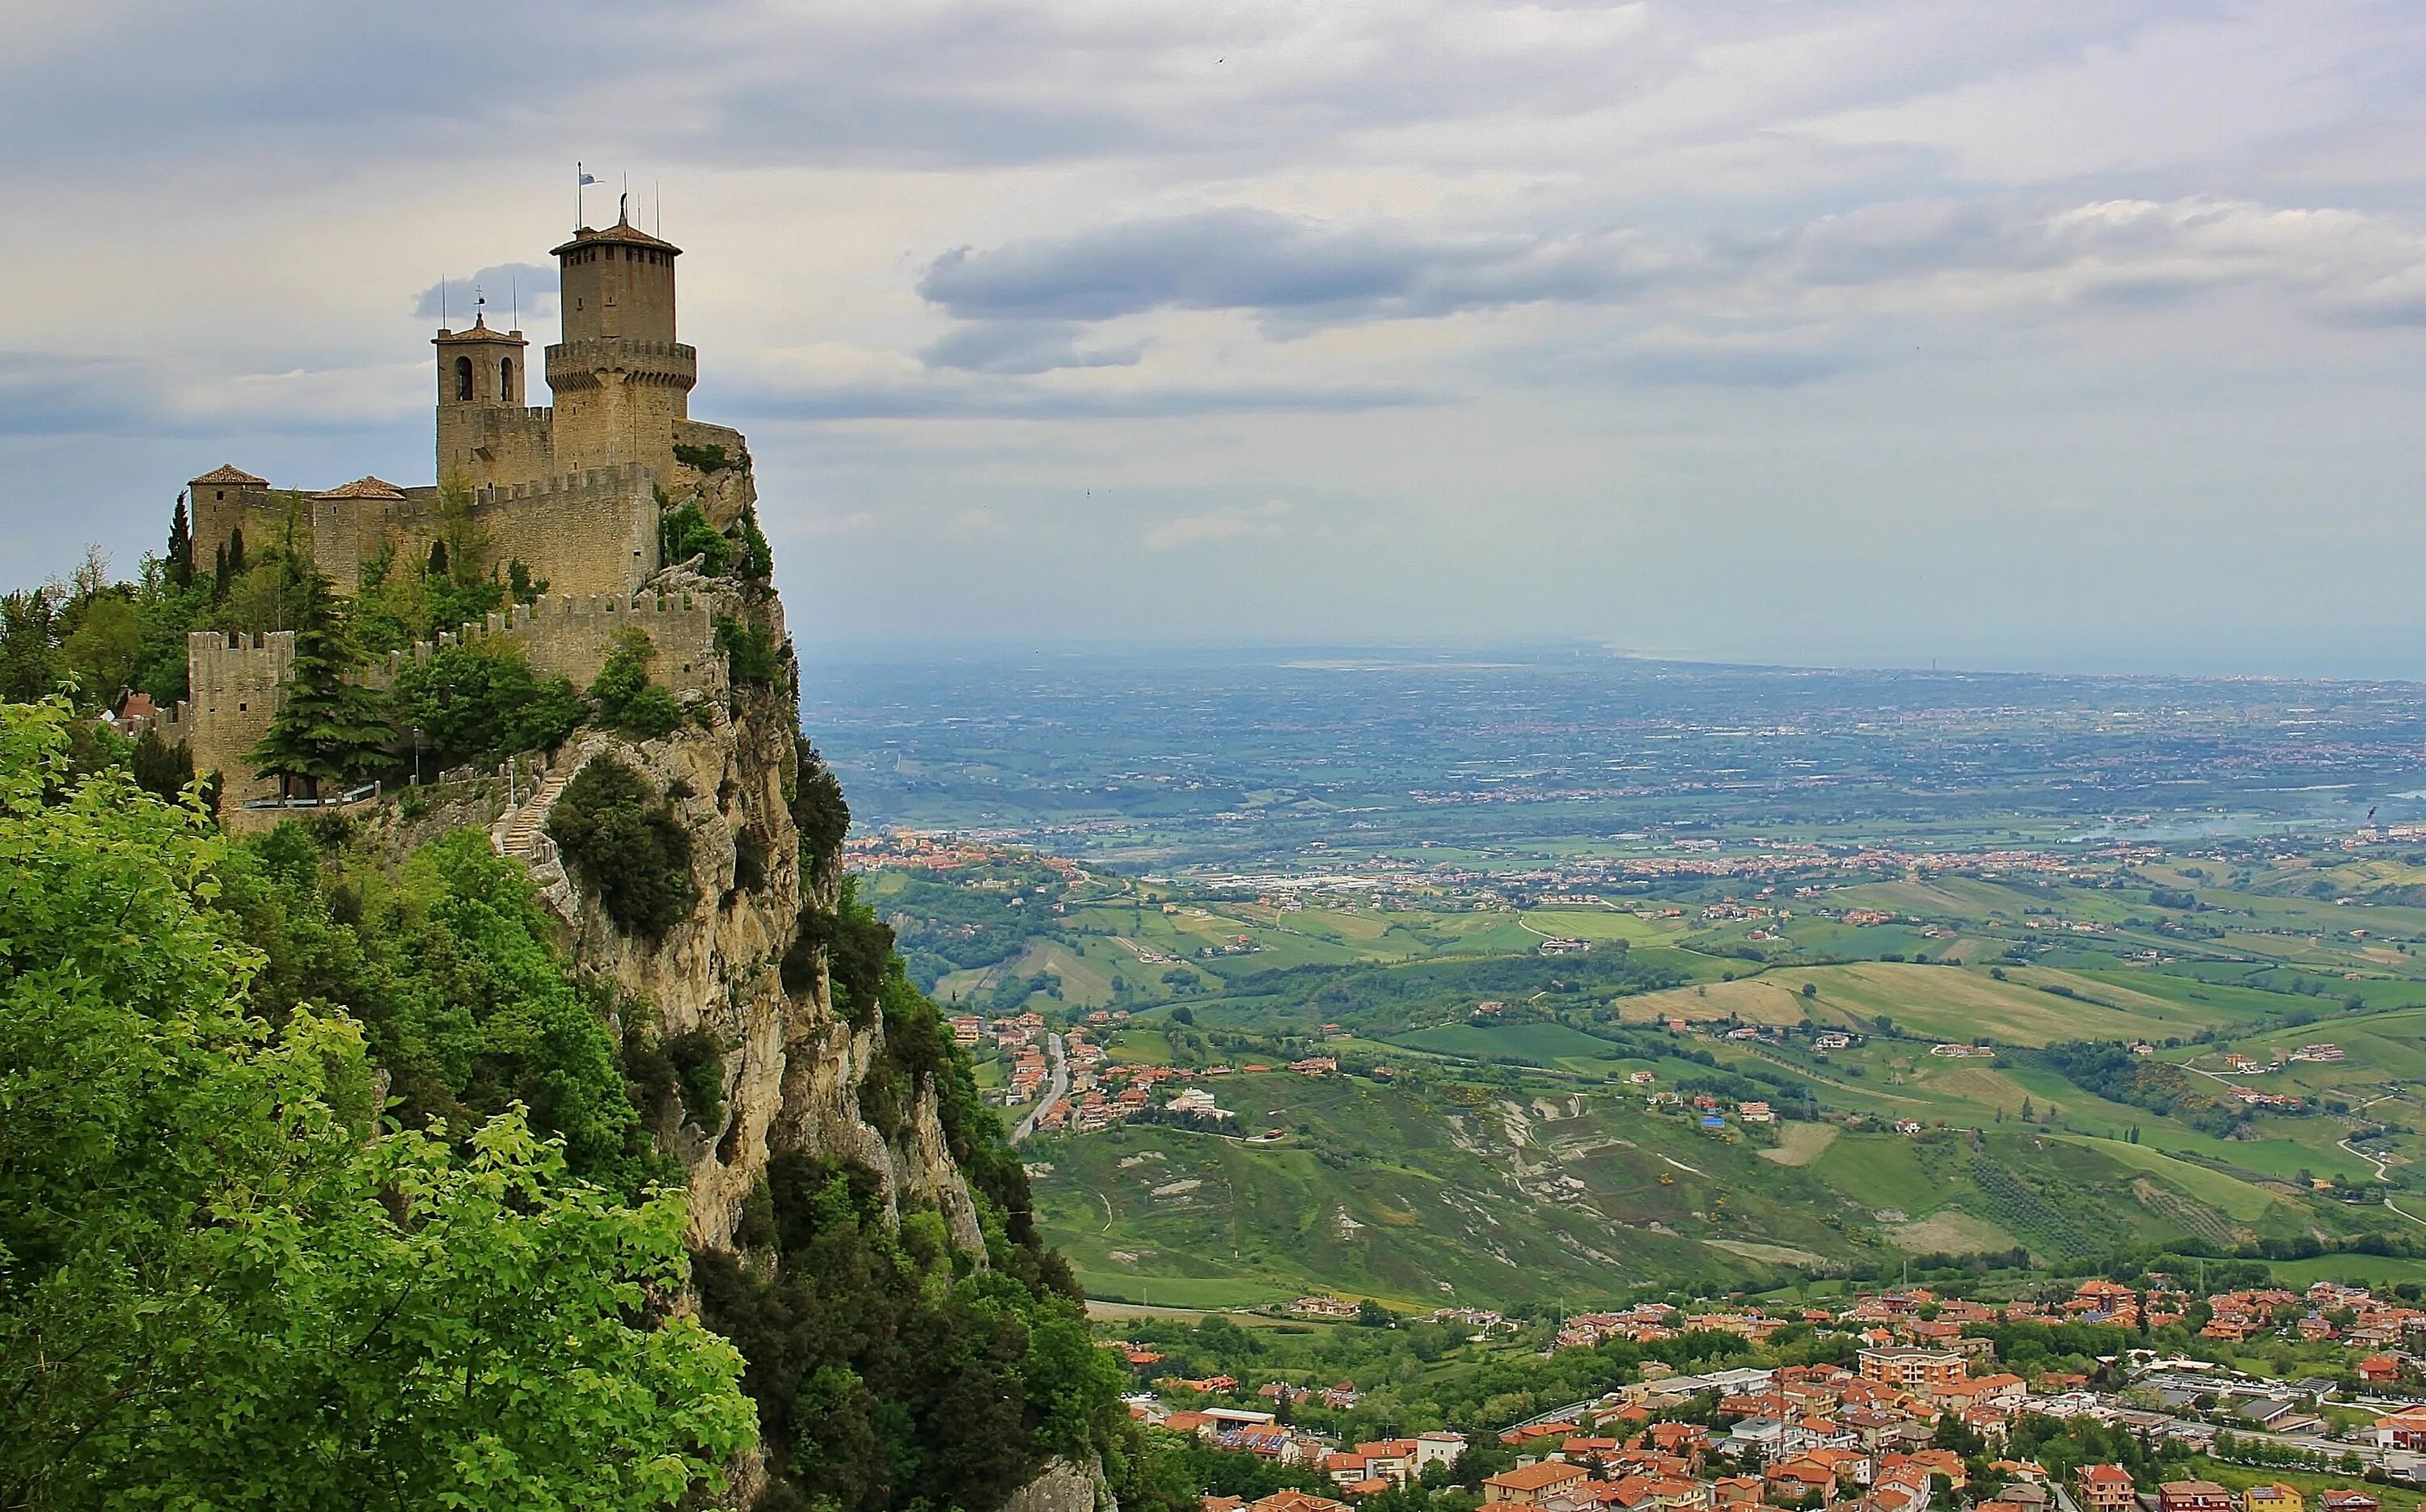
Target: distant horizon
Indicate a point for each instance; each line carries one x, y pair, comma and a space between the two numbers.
858, 650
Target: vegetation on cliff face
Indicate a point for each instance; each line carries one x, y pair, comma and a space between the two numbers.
627, 844
216, 1291
888, 1371
447, 961
479, 701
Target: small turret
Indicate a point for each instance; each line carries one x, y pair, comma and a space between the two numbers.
478, 369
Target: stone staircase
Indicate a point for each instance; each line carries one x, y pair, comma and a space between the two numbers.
521, 833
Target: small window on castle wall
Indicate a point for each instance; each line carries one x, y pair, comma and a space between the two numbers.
463, 377
506, 380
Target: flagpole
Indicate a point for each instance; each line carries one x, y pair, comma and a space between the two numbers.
580, 177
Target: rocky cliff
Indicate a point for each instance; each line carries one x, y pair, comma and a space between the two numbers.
793, 1066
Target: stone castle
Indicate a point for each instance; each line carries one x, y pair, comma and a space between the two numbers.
573, 492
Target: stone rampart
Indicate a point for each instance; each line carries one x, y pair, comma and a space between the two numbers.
239, 682
236, 685
570, 636
495, 444
593, 532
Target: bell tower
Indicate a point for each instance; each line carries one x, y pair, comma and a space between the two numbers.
621, 381
482, 373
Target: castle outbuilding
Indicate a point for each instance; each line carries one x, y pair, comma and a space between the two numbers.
572, 493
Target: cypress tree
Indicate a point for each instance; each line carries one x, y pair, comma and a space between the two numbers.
235, 551
180, 546
329, 729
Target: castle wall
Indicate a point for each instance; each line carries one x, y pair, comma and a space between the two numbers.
614, 289
217, 512
341, 537
237, 682
570, 636
595, 532
489, 444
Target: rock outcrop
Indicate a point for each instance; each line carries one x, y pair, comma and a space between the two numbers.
793, 1066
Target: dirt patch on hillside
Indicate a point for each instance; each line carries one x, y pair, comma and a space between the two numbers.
1800, 1143
1948, 1233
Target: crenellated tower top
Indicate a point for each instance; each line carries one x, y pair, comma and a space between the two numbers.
621, 378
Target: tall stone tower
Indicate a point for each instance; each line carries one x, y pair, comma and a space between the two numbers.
485, 434
623, 383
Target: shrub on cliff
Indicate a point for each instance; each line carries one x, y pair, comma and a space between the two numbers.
627, 845
686, 534
479, 701
819, 812
448, 959
888, 1373
625, 699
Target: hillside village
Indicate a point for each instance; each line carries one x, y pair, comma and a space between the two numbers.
1920, 1412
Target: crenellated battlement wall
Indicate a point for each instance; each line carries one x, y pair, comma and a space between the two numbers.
236, 682
239, 682
593, 532
583, 361
570, 636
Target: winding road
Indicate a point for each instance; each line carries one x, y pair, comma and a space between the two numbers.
1056, 1087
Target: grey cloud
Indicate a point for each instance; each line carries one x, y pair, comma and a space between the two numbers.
1022, 346
1879, 242
533, 285
1016, 400
1738, 362
52, 393
1243, 258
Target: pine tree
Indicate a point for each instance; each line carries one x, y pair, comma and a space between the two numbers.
330, 728
180, 546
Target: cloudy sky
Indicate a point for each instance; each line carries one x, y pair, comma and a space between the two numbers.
2079, 333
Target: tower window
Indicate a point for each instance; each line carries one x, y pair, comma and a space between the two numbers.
506, 380
464, 378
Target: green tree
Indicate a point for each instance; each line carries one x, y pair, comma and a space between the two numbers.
29, 652
215, 1291
329, 728
104, 646
179, 562
626, 700
479, 700
627, 844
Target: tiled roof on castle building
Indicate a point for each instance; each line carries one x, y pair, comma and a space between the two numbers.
228, 472
364, 488
620, 231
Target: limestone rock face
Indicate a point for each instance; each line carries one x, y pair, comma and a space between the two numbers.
1064, 1485
793, 1066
